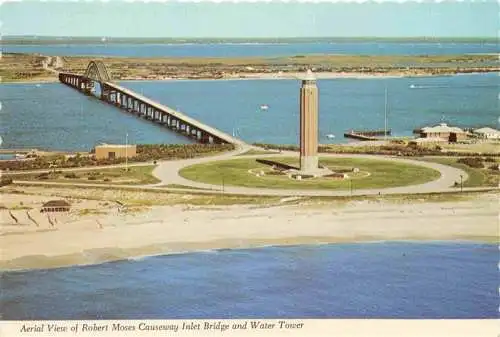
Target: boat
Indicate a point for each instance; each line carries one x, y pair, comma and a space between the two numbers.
330, 136
264, 107
19, 156
413, 86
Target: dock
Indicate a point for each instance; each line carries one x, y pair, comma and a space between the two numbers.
367, 134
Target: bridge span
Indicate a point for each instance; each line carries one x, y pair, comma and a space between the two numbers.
142, 106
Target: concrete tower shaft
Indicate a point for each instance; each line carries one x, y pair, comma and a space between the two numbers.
309, 124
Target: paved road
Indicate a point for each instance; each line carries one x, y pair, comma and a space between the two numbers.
85, 168
168, 173
261, 192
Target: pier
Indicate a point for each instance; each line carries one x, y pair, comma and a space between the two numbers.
141, 106
367, 134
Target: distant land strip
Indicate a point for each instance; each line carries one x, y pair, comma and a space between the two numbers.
19, 67
32, 39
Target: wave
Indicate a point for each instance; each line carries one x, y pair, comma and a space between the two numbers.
138, 258
429, 86
413, 86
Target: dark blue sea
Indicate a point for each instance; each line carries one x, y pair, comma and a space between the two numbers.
359, 280
53, 116
256, 49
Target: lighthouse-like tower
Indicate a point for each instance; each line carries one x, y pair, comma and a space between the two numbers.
309, 124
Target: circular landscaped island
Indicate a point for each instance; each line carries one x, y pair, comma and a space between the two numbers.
359, 173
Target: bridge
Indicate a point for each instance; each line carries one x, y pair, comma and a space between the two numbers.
141, 106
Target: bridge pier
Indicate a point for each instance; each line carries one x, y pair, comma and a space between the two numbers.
206, 138
173, 124
142, 109
138, 107
105, 93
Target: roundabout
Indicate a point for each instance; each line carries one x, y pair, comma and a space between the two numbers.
347, 173
230, 173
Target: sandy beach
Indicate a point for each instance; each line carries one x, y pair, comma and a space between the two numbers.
266, 76
247, 76
98, 231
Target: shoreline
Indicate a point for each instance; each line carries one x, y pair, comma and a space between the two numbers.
275, 76
37, 262
97, 232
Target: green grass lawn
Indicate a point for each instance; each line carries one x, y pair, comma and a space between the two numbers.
478, 177
134, 176
382, 174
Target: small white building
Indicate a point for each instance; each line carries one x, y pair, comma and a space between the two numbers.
112, 151
487, 133
449, 133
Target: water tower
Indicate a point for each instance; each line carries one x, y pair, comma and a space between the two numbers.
309, 124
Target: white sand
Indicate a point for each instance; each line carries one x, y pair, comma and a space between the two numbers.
266, 76
113, 235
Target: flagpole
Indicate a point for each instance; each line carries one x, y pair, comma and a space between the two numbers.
126, 152
385, 114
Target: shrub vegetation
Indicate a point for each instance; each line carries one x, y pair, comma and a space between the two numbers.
147, 152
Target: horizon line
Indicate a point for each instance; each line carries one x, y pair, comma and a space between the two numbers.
243, 37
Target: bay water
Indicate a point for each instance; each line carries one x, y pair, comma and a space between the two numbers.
53, 116
256, 49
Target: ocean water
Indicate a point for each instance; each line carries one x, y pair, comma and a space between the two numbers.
54, 116
360, 280
257, 49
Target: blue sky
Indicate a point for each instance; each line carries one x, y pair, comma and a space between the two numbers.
125, 19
